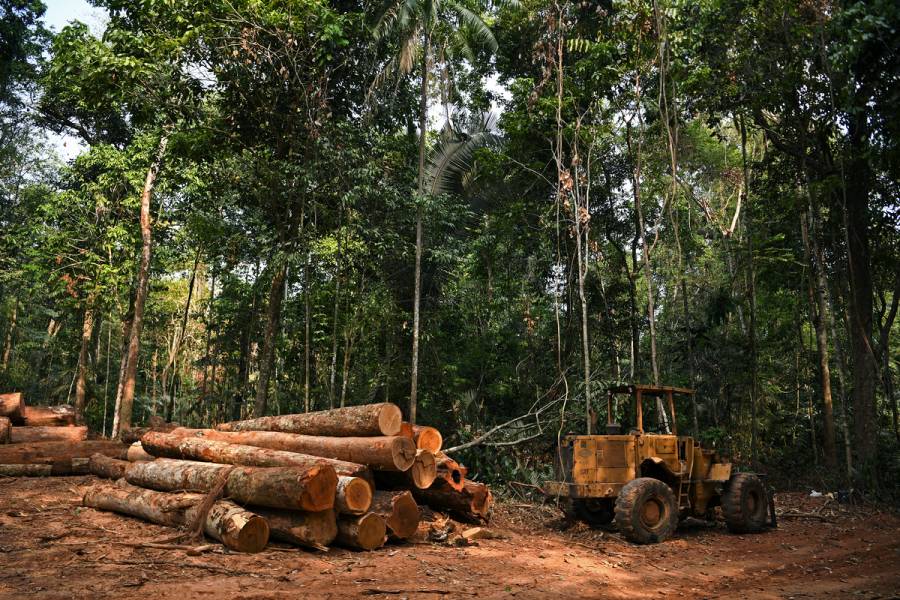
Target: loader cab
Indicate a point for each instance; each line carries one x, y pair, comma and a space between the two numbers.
642, 409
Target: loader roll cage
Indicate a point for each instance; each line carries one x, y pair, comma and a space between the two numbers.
638, 392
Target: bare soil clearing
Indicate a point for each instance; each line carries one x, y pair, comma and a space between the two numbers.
51, 547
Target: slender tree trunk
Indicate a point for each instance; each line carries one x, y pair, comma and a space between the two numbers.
307, 345
334, 323
170, 407
417, 294
751, 279
243, 362
154, 364
267, 354
10, 332
106, 382
87, 331
885, 349
125, 401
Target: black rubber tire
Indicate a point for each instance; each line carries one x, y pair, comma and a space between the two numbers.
594, 512
646, 511
745, 504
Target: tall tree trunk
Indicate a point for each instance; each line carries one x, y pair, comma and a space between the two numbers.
10, 331
337, 301
417, 293
170, 407
243, 362
267, 354
125, 401
87, 331
751, 279
816, 296
307, 343
884, 347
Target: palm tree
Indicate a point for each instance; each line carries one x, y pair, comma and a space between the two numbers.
418, 27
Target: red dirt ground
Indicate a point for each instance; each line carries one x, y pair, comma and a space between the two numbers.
51, 547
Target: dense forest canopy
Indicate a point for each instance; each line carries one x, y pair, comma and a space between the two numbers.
486, 212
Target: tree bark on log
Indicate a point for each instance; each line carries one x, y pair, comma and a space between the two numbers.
299, 488
5, 430
399, 511
106, 467
226, 522
393, 453
427, 438
27, 435
421, 475
48, 416
203, 445
136, 453
382, 419
473, 503
50, 452
135, 434
450, 471
308, 529
12, 406
69, 466
362, 533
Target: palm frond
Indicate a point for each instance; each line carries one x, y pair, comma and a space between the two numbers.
474, 26
452, 157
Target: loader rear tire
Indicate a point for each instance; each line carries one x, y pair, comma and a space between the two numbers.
646, 511
745, 504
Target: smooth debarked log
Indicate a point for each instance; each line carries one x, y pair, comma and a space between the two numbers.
308, 529
63, 467
450, 471
301, 488
237, 528
137, 453
472, 503
5, 430
13, 406
393, 453
198, 444
399, 511
421, 475
51, 452
106, 467
366, 532
25, 435
366, 420
48, 416
427, 438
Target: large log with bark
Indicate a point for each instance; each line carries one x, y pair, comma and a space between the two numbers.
51, 452
62, 467
472, 503
25, 435
12, 406
393, 453
421, 475
366, 532
237, 528
202, 445
450, 471
427, 438
48, 416
301, 488
308, 529
5, 430
137, 453
382, 419
134, 434
106, 467
399, 511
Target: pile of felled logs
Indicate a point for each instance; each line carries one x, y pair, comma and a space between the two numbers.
351, 476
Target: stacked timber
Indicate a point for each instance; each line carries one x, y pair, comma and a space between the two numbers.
20, 423
349, 476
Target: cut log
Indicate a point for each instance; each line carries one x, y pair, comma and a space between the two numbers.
421, 475
393, 453
137, 453
48, 416
308, 529
26, 435
406, 430
5, 430
62, 467
301, 488
108, 468
427, 438
226, 522
366, 420
49, 452
199, 444
399, 511
353, 496
472, 503
363, 533
450, 471
12, 406
134, 434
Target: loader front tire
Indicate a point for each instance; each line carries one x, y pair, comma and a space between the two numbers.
646, 511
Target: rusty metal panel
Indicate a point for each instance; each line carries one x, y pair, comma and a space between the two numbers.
720, 472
